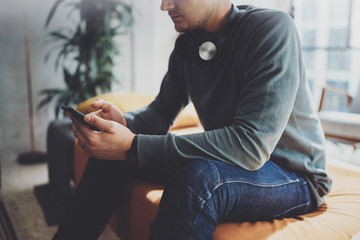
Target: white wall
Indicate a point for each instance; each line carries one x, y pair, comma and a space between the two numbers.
283, 5
153, 36
13, 89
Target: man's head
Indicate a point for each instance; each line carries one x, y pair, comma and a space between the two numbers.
188, 15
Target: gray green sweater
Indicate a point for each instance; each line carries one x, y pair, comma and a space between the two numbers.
253, 102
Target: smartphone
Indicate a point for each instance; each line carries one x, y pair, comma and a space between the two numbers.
78, 115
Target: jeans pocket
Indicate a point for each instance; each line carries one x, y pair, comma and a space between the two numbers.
293, 211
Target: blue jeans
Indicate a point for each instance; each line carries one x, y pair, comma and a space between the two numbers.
206, 192
196, 197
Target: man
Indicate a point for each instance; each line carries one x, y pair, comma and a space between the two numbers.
261, 155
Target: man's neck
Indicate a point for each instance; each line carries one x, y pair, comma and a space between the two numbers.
220, 17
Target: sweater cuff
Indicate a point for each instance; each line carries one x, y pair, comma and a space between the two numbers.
151, 150
131, 155
129, 117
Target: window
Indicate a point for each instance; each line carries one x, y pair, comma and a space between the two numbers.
339, 60
333, 100
330, 36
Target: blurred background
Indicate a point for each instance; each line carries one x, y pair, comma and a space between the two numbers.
329, 31
140, 66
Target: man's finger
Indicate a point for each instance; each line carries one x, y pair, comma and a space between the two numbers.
97, 104
100, 123
101, 104
76, 127
97, 113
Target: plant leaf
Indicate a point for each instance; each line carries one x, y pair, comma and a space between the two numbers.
52, 12
44, 102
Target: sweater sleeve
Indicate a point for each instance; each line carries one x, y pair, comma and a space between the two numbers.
271, 74
161, 113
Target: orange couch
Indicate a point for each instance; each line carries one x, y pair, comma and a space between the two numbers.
337, 219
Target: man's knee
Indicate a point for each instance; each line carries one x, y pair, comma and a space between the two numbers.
185, 199
198, 177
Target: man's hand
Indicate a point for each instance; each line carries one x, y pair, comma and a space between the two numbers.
108, 111
111, 143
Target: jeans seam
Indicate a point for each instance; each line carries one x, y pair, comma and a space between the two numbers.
198, 196
204, 201
221, 183
260, 185
288, 210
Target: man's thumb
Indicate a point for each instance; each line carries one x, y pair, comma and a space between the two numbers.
98, 122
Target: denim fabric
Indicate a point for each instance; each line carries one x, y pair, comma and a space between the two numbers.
196, 197
206, 192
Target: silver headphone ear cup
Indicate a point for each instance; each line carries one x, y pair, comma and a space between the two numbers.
207, 51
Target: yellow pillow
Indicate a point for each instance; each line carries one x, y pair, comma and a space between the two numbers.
126, 102
133, 101
187, 118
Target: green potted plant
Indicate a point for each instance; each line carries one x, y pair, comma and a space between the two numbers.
86, 51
